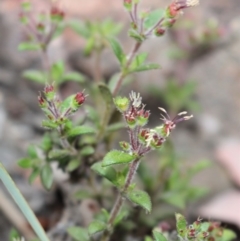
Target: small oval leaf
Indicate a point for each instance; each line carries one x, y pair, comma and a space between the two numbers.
117, 157
25, 163
107, 172
118, 51
47, 176
158, 236
96, 226
79, 234
140, 198
80, 130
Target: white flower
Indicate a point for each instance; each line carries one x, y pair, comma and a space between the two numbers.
136, 99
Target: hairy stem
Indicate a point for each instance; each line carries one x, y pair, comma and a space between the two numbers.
120, 199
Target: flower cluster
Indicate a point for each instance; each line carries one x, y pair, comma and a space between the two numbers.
142, 139
56, 110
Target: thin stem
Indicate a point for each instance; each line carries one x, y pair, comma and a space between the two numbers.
132, 18
97, 71
120, 199
136, 47
135, 15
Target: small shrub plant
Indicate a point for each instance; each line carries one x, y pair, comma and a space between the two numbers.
80, 131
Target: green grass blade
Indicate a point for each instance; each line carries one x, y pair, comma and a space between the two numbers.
22, 204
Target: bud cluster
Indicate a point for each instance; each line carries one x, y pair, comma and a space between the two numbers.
43, 26
142, 139
195, 231
171, 14
55, 110
140, 31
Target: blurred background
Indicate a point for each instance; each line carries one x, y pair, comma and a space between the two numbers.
199, 59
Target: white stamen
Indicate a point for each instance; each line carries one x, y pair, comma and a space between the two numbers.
182, 113
191, 3
150, 137
162, 109
188, 117
136, 99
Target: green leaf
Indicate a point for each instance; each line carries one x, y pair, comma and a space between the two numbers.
67, 103
92, 114
181, 224
115, 127
35, 75
46, 143
175, 198
80, 28
145, 67
80, 130
26, 6
147, 238
49, 124
82, 194
123, 214
73, 165
158, 236
138, 60
107, 172
25, 163
47, 176
87, 150
153, 18
118, 51
31, 151
89, 46
202, 165
96, 226
106, 95
117, 157
80, 234
57, 71
27, 46
74, 76
228, 235
14, 235
140, 198
58, 154
35, 173
134, 34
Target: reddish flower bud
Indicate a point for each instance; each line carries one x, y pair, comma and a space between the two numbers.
211, 239
57, 14
40, 27
127, 4
41, 101
48, 89
175, 7
159, 31
80, 98
172, 10
144, 133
